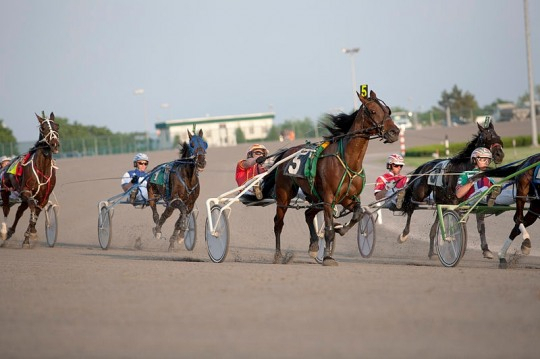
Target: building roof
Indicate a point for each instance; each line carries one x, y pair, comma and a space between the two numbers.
213, 119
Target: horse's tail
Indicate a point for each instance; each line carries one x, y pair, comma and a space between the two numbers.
270, 179
417, 175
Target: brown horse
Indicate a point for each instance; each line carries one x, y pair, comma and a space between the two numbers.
34, 181
180, 188
420, 188
339, 176
527, 185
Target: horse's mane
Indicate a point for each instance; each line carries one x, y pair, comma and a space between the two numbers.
338, 124
184, 150
465, 154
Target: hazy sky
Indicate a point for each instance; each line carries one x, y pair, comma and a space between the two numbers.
84, 59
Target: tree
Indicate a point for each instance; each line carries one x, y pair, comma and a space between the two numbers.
240, 137
273, 134
460, 104
7, 140
525, 97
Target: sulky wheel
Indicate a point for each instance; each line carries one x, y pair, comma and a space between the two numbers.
217, 240
366, 234
190, 237
51, 224
105, 227
451, 242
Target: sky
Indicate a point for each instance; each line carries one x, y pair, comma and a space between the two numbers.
84, 60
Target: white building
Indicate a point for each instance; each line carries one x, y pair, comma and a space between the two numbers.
218, 131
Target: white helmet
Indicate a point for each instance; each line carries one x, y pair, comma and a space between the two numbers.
395, 159
481, 152
139, 157
4, 158
256, 147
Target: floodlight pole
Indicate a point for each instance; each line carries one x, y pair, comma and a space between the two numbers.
146, 137
353, 52
530, 75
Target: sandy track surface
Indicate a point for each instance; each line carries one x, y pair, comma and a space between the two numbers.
76, 300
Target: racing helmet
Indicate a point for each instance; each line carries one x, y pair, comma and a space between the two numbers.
139, 157
256, 147
481, 152
394, 159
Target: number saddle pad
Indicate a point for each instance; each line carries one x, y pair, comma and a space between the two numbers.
304, 165
435, 177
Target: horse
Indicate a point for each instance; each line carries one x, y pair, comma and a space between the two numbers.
527, 187
339, 177
420, 187
34, 179
180, 188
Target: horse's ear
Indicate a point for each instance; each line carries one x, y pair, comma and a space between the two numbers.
200, 133
51, 117
362, 98
39, 118
372, 94
189, 134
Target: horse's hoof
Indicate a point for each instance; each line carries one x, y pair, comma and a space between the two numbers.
288, 258
431, 254
526, 246
402, 239
487, 254
138, 244
329, 262
312, 254
26, 244
503, 264
313, 250
277, 258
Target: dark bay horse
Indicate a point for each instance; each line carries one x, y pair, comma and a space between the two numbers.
527, 186
180, 188
34, 179
339, 175
420, 187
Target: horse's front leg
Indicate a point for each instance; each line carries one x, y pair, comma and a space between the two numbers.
529, 219
278, 227
180, 227
329, 235
31, 232
23, 206
357, 214
518, 220
481, 226
5, 209
159, 223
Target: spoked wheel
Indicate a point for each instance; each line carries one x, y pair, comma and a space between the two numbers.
217, 241
318, 221
51, 224
451, 242
366, 234
190, 237
105, 227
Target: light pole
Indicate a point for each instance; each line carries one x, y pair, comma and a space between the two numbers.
353, 52
530, 76
138, 92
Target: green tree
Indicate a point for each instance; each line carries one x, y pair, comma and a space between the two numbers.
461, 104
8, 142
273, 134
525, 97
240, 136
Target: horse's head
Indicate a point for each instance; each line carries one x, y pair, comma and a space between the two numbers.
48, 132
197, 149
379, 123
488, 138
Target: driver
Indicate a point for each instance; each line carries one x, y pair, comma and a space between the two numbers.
136, 176
387, 184
251, 167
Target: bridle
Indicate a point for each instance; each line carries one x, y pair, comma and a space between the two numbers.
197, 149
50, 135
367, 132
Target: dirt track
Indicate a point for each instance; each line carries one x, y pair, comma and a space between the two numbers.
76, 300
